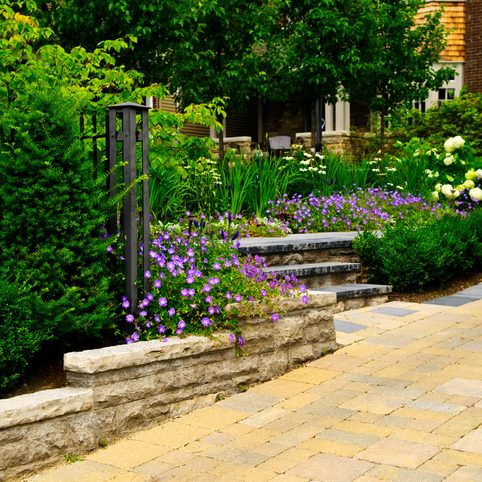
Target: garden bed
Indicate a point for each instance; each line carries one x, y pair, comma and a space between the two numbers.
116, 390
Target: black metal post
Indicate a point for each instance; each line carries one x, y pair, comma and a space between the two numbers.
129, 137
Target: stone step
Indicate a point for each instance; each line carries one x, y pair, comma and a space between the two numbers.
324, 261
302, 248
318, 275
357, 295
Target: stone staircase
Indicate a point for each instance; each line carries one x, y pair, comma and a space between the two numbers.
323, 262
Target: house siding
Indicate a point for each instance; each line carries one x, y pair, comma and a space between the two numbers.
453, 18
169, 105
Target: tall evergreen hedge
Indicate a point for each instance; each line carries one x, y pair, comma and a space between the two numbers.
51, 219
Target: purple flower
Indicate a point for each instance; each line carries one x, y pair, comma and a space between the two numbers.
130, 318
179, 331
171, 311
157, 283
190, 280
232, 338
181, 324
147, 274
305, 299
238, 298
184, 292
209, 299
150, 296
206, 289
162, 301
125, 303
205, 321
228, 295
161, 329
110, 249
191, 292
240, 341
274, 317
213, 281
264, 293
216, 266
143, 313
211, 310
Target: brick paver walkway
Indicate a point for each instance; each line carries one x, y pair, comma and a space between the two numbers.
402, 401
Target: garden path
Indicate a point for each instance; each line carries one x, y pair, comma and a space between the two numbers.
401, 400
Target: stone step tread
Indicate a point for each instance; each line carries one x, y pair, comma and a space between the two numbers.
308, 269
356, 290
297, 242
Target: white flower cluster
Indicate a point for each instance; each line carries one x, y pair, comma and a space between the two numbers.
453, 143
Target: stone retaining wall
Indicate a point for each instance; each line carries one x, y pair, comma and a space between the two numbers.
116, 390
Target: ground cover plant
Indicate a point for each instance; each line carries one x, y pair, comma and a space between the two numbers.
370, 209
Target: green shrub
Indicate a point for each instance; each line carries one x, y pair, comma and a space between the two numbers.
51, 217
416, 257
461, 117
21, 337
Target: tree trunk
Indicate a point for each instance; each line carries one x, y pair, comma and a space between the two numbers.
382, 132
221, 139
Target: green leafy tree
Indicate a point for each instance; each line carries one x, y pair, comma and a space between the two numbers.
315, 46
149, 27
201, 50
397, 64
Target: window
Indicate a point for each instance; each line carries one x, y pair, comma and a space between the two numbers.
446, 94
421, 106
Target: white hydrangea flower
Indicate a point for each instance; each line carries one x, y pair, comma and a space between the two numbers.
458, 142
453, 143
449, 160
449, 145
449, 192
476, 194
435, 196
438, 187
470, 175
469, 184
478, 173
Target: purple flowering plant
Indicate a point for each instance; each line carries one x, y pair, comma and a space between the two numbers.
197, 281
362, 209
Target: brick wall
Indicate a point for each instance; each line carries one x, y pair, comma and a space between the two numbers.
473, 61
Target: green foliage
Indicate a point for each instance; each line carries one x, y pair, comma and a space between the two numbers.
325, 174
397, 63
22, 335
183, 173
272, 178
51, 217
412, 168
315, 47
417, 256
462, 116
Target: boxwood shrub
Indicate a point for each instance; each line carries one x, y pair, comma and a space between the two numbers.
416, 257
